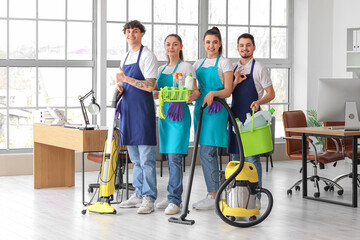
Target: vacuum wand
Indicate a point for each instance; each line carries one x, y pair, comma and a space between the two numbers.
185, 209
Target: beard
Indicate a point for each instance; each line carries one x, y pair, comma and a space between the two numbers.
246, 56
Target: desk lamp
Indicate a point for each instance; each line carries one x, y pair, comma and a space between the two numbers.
93, 108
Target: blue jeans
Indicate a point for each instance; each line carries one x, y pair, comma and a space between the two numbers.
210, 167
257, 163
144, 172
175, 187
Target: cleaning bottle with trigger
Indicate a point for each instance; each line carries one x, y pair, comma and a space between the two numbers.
261, 118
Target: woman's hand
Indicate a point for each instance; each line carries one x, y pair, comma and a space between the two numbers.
194, 95
209, 98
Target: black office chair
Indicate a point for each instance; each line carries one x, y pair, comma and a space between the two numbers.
269, 154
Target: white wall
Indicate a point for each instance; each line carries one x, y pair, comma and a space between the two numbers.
320, 45
313, 32
346, 15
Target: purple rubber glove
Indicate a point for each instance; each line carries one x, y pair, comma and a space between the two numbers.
175, 111
215, 107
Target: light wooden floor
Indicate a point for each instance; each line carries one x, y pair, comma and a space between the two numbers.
56, 213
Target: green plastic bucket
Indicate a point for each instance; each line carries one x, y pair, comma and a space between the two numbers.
256, 141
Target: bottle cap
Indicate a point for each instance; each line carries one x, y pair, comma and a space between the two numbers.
190, 74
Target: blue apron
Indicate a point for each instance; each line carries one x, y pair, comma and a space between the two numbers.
214, 126
174, 136
137, 110
243, 95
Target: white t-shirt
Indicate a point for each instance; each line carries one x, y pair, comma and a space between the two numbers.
148, 63
224, 65
260, 74
184, 67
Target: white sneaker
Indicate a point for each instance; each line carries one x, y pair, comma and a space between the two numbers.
147, 206
163, 204
171, 209
207, 203
258, 203
133, 201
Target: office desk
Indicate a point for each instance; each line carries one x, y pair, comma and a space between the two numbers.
54, 153
326, 132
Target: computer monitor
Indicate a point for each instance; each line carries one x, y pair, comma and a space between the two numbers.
335, 95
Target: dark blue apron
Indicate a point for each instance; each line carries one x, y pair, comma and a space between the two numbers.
137, 110
243, 95
173, 136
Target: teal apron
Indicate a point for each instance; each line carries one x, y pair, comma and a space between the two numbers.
214, 126
173, 136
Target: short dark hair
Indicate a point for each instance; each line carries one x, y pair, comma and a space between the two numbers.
214, 31
246, 35
134, 24
181, 56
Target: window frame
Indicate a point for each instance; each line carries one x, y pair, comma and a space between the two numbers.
38, 63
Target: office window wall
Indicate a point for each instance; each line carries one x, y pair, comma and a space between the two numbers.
267, 20
46, 60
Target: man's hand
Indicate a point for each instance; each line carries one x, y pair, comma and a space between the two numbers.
119, 88
256, 105
239, 76
120, 77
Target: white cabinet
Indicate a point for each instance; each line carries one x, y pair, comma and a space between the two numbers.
353, 51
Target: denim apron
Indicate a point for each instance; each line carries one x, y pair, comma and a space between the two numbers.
174, 136
243, 95
214, 126
137, 110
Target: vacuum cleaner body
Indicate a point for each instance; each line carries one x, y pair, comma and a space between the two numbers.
240, 194
107, 178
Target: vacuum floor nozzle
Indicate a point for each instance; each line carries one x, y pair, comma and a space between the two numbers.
181, 221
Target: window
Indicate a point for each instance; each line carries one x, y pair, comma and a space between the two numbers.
46, 60
267, 20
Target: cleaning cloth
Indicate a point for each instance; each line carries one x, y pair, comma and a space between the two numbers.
175, 111
215, 107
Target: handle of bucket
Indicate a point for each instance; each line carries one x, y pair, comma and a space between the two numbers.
252, 119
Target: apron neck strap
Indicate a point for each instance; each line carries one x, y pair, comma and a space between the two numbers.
141, 48
252, 66
174, 68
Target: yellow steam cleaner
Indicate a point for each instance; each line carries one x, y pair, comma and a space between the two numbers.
108, 169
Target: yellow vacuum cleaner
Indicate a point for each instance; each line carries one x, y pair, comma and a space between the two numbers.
108, 170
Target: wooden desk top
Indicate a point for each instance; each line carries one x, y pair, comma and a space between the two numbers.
323, 130
69, 138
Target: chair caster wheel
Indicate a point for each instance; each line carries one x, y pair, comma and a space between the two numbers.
90, 190
83, 212
297, 188
326, 188
317, 195
289, 192
231, 218
340, 192
253, 218
331, 189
